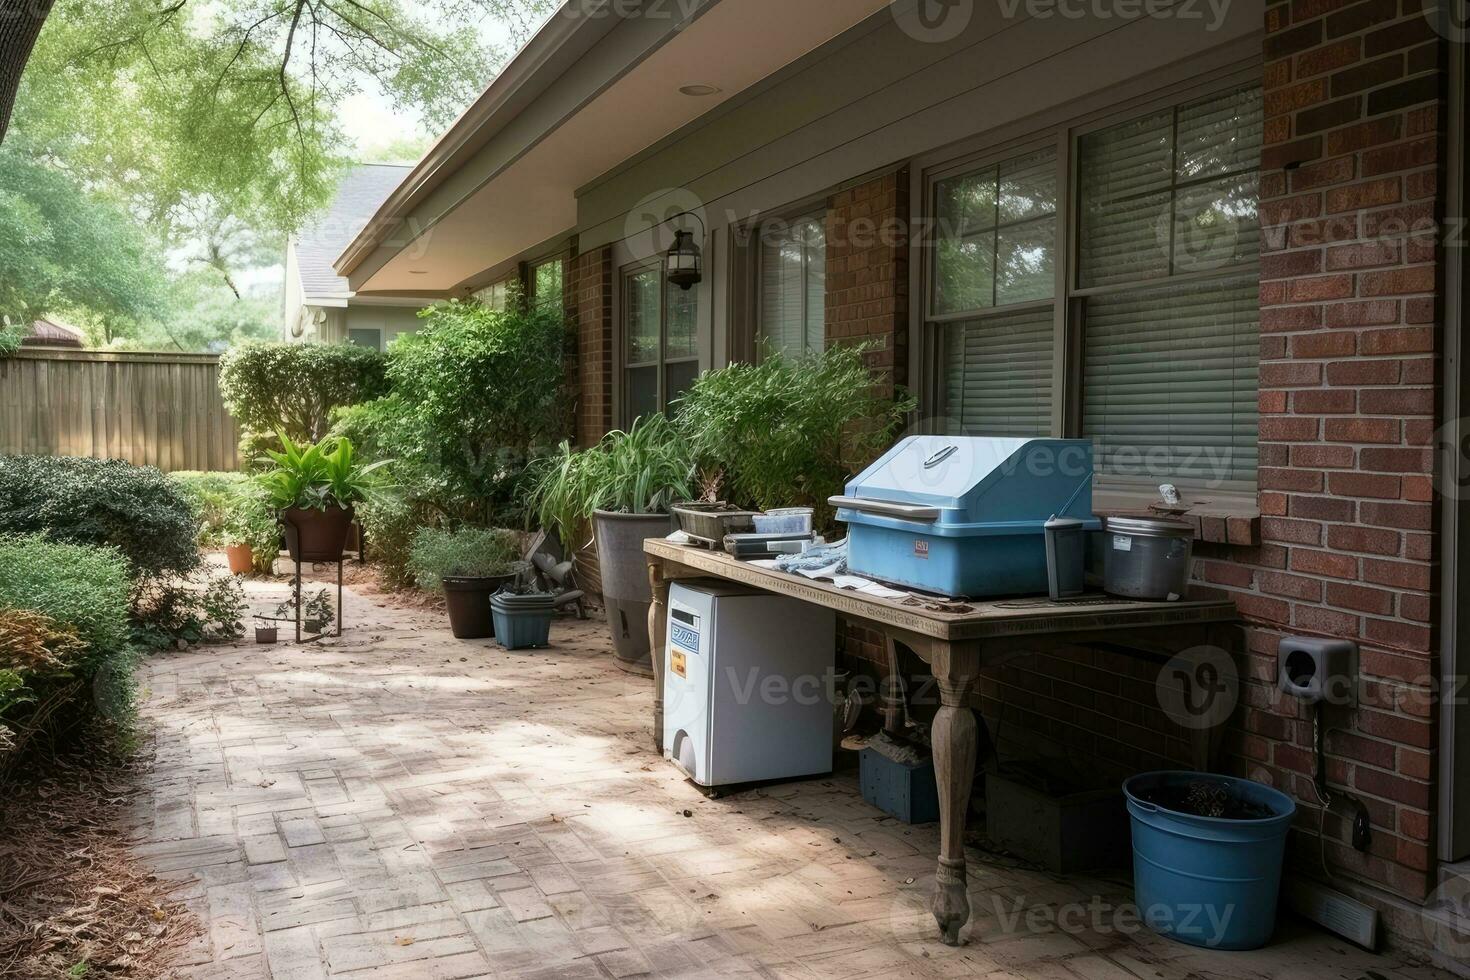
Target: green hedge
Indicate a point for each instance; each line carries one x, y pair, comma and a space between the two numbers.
210, 496
82, 592
294, 387
135, 509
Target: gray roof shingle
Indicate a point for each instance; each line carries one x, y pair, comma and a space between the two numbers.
364, 188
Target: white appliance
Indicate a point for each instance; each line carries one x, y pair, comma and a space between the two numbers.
746, 681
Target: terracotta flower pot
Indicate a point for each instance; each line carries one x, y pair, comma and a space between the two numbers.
316, 535
240, 557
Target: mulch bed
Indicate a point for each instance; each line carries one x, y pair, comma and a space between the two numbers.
73, 901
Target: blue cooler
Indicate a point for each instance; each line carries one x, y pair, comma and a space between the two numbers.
965, 516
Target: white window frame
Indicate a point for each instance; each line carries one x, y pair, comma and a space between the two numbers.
817, 214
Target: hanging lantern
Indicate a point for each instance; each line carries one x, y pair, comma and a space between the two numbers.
683, 264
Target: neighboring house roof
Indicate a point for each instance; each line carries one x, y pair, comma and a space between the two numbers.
361, 193
49, 333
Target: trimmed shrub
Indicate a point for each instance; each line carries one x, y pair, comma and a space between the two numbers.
135, 509
294, 387
471, 552
84, 587
65, 652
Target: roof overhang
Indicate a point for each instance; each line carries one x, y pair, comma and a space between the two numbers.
597, 85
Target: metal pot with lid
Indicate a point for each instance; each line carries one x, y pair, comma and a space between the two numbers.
1146, 557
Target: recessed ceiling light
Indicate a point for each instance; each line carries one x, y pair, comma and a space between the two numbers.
699, 91
418, 272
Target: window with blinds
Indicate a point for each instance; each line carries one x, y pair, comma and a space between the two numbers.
993, 282
1169, 383
793, 286
1168, 241
661, 342
998, 377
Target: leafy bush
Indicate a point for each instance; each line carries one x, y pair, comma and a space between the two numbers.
294, 387
481, 391
472, 552
790, 431
168, 613
84, 587
135, 509
385, 429
641, 471
10, 338
211, 496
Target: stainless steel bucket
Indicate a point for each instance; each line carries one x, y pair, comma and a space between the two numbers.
1146, 558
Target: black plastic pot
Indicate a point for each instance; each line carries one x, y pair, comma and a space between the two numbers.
316, 535
265, 634
468, 600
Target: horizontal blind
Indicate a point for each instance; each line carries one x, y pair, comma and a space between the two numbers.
998, 380
794, 287
1169, 383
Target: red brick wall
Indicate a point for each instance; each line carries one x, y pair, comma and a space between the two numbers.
867, 302
867, 272
589, 292
1348, 381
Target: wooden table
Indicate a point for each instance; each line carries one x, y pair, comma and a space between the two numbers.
956, 646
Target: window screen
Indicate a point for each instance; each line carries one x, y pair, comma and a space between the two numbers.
793, 286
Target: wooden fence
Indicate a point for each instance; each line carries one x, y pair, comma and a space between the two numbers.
161, 410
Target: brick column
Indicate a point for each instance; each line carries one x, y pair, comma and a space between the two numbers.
589, 291
1350, 202
867, 302
867, 272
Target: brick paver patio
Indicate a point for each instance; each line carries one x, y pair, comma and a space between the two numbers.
397, 803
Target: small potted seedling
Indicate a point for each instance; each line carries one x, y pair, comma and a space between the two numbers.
265, 630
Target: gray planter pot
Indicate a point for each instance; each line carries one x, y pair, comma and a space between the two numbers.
625, 581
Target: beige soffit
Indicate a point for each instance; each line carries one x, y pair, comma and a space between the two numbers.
477, 200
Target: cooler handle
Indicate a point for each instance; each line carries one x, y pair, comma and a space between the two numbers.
885, 508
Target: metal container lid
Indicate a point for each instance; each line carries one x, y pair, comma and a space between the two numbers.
1149, 527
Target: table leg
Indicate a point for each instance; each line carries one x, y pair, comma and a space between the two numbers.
658, 625
955, 737
892, 695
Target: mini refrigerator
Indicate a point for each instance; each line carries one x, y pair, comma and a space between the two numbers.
746, 682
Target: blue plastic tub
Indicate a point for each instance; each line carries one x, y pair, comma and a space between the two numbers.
1208, 881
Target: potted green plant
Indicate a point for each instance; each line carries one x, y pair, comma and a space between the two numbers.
468, 566
250, 532
625, 485
312, 489
523, 619
266, 630
317, 615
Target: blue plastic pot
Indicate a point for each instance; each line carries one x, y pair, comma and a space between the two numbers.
522, 622
1208, 881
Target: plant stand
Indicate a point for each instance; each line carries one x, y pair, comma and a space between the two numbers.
296, 585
